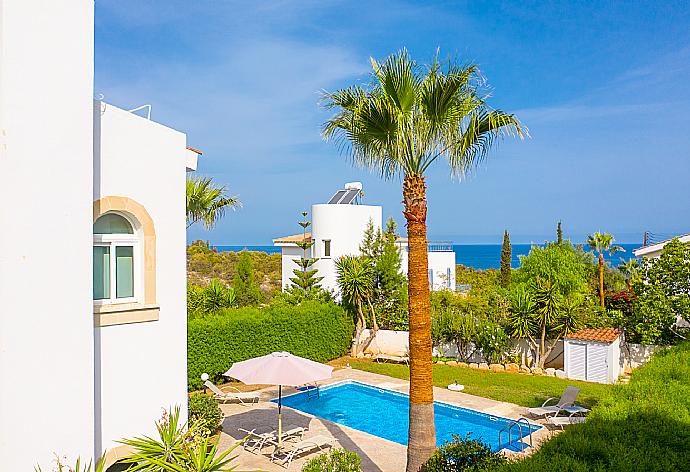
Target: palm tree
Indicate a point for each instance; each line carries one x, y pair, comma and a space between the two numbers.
601, 243
356, 281
408, 118
630, 269
207, 201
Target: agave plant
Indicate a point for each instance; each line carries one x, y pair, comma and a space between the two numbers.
61, 467
178, 448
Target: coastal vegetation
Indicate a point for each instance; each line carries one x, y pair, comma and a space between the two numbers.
407, 118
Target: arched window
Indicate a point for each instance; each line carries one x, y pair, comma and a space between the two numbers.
116, 260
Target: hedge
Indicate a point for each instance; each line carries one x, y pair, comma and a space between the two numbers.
641, 426
317, 331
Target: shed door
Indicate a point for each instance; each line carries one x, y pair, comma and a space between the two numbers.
576, 364
597, 363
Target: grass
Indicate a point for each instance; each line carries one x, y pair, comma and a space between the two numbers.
521, 389
641, 426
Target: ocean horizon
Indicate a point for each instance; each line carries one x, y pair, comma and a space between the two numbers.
477, 256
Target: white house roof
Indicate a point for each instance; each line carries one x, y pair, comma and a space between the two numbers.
657, 247
602, 335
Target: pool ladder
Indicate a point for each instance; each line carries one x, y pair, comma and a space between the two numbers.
509, 430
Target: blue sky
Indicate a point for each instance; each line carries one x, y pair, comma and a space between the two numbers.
603, 87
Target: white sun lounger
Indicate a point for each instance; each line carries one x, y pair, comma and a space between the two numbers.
567, 399
285, 453
563, 421
255, 441
221, 396
396, 359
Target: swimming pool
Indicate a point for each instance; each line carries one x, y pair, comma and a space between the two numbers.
384, 413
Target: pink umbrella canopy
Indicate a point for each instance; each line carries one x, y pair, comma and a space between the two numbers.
279, 368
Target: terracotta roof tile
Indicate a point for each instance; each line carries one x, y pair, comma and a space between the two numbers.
604, 335
295, 238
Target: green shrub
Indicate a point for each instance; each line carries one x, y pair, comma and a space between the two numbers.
336, 460
204, 413
317, 331
641, 426
464, 454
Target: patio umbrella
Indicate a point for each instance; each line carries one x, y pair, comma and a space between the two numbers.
279, 368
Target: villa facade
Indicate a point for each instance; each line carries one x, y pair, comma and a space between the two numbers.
92, 249
337, 230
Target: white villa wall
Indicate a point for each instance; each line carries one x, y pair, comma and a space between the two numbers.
439, 263
142, 366
344, 226
290, 254
46, 316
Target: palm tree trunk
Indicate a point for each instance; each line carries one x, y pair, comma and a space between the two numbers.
422, 433
542, 347
601, 279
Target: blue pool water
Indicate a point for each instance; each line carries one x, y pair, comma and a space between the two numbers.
384, 413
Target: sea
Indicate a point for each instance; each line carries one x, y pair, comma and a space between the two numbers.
477, 256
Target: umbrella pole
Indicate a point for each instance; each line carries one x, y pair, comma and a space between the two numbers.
280, 416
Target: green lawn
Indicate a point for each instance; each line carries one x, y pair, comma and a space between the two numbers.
521, 389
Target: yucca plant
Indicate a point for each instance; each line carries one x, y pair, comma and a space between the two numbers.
356, 281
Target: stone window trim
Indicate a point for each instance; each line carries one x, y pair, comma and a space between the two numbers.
146, 309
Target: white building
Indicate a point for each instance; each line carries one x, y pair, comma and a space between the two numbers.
593, 354
654, 250
338, 229
92, 249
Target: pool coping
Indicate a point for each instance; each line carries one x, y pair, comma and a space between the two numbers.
534, 427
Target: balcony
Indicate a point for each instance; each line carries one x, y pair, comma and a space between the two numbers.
432, 246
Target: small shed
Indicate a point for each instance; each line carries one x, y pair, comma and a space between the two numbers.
593, 354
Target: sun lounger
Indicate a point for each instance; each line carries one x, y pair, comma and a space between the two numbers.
285, 453
567, 399
396, 359
221, 396
255, 441
562, 421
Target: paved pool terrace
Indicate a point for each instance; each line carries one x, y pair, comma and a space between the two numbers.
378, 454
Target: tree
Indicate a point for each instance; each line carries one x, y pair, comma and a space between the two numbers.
630, 270
663, 294
506, 256
244, 283
559, 233
356, 281
305, 283
207, 202
601, 243
406, 119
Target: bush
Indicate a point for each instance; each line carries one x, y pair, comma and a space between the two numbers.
204, 413
641, 426
464, 454
317, 331
337, 460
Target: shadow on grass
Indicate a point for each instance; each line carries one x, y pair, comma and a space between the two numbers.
266, 419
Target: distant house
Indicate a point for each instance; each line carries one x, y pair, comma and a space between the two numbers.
338, 229
92, 250
654, 250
